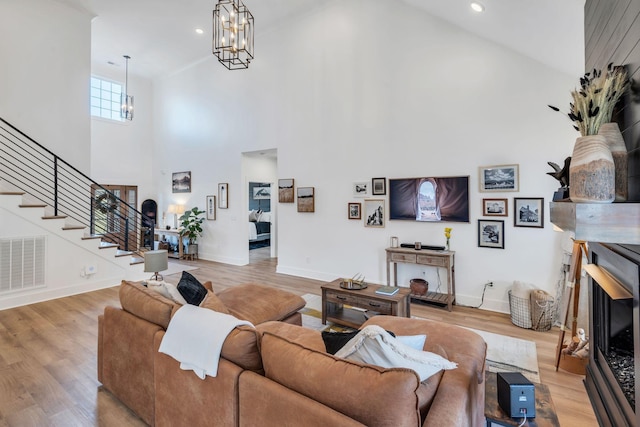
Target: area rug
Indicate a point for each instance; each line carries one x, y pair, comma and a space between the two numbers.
174, 268
504, 353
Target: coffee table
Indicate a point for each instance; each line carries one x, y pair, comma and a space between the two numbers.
350, 307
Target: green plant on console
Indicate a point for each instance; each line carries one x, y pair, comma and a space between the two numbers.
191, 224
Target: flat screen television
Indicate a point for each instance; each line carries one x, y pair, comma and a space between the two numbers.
429, 199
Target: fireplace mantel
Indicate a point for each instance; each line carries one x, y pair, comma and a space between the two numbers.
595, 222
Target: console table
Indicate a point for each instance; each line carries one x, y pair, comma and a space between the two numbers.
438, 259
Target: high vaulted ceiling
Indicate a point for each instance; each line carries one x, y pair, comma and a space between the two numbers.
160, 36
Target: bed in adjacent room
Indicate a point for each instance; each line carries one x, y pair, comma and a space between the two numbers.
259, 226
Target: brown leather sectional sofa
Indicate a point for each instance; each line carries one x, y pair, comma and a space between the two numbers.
279, 374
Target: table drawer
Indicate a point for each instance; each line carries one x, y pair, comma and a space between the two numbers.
381, 307
432, 260
340, 298
403, 258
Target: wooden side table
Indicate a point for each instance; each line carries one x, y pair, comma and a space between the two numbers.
438, 259
351, 307
545, 410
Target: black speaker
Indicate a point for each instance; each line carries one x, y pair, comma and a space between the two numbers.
516, 394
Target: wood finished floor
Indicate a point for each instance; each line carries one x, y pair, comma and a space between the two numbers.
48, 352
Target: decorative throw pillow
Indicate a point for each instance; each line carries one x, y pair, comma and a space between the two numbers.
212, 302
253, 216
191, 290
157, 286
414, 341
174, 294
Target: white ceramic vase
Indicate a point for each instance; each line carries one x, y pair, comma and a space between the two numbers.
592, 172
618, 148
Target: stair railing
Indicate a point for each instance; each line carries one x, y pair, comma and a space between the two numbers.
34, 169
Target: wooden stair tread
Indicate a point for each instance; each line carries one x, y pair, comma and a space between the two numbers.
105, 245
74, 227
55, 217
136, 260
12, 193
39, 205
93, 236
120, 253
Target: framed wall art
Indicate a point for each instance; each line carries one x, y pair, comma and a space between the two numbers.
374, 213
378, 186
285, 191
499, 178
306, 199
355, 210
495, 207
261, 193
181, 182
211, 207
223, 195
491, 233
528, 212
361, 189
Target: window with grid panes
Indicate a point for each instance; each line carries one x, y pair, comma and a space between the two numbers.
105, 99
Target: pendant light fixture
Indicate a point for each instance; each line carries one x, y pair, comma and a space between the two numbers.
233, 34
126, 100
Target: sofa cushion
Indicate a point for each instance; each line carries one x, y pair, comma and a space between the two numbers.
259, 303
145, 303
191, 289
343, 385
212, 302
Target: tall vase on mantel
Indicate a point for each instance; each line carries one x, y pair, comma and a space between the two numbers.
615, 142
592, 171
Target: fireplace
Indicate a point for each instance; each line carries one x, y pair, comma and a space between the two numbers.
614, 325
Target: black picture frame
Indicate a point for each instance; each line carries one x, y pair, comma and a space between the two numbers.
528, 212
491, 233
378, 186
181, 182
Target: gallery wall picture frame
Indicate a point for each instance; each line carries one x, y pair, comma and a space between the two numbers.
181, 182
495, 207
374, 215
306, 199
378, 186
223, 195
491, 233
528, 212
285, 190
500, 178
261, 193
361, 189
354, 210
211, 208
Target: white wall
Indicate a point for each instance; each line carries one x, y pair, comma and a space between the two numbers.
347, 99
122, 152
44, 75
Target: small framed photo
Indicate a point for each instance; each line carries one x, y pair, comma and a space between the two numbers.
223, 195
355, 210
361, 189
374, 213
528, 212
491, 233
181, 182
499, 178
306, 199
211, 207
495, 207
378, 186
285, 191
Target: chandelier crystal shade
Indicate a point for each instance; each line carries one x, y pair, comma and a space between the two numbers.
126, 100
233, 34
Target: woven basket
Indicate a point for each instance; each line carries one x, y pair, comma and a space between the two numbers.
520, 311
542, 309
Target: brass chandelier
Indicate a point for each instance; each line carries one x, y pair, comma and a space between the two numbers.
232, 34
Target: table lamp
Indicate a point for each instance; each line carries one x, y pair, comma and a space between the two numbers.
155, 261
175, 210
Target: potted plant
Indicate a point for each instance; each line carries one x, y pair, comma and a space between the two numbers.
191, 228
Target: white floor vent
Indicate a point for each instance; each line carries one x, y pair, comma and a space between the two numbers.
22, 262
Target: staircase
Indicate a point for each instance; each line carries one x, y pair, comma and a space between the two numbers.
44, 195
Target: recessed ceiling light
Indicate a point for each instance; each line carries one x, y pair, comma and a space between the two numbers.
199, 31
478, 7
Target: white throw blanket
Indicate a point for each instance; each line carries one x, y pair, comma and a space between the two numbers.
195, 336
373, 345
